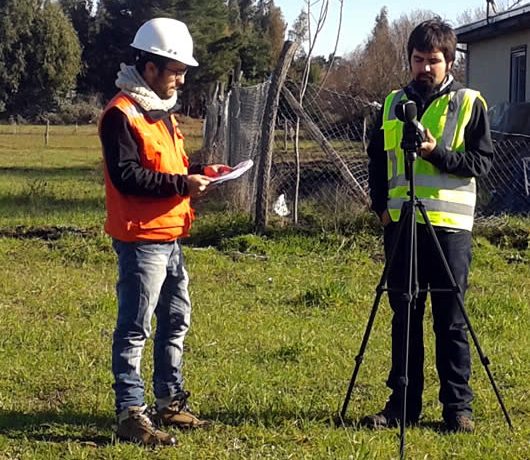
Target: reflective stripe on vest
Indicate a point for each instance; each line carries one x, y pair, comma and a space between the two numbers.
448, 199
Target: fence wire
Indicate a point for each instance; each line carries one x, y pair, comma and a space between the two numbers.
232, 134
326, 169
506, 188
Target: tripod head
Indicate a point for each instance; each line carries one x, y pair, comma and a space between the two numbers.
413, 135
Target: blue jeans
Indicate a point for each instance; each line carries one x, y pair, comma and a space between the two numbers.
152, 280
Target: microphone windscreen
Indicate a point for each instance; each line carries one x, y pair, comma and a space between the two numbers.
411, 111
406, 111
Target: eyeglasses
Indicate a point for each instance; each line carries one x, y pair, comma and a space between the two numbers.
177, 72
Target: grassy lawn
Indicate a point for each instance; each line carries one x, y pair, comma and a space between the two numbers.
277, 322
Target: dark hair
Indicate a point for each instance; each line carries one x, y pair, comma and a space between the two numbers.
141, 58
434, 34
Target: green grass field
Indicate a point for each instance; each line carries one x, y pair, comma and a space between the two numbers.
277, 322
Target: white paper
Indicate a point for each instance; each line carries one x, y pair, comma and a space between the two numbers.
237, 171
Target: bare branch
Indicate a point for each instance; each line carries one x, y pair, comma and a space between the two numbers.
337, 37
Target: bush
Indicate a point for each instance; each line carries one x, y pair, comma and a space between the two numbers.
80, 111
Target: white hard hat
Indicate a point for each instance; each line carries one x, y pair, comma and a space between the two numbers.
166, 37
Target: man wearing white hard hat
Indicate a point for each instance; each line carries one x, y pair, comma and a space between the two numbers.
148, 184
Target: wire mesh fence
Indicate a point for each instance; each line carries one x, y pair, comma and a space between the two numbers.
506, 189
319, 158
232, 134
319, 161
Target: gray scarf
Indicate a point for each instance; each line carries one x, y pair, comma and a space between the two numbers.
132, 84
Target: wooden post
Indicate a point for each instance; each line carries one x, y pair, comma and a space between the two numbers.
47, 133
13, 123
285, 134
211, 123
315, 132
267, 135
220, 134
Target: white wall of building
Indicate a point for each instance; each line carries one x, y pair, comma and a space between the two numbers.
489, 66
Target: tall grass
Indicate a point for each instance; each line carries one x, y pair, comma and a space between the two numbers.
277, 322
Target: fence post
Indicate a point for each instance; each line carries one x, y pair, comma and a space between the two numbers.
47, 133
284, 134
13, 123
211, 125
267, 134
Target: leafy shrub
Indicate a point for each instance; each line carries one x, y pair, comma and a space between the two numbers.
244, 243
505, 232
80, 111
211, 229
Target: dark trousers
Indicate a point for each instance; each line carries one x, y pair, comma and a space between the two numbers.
453, 361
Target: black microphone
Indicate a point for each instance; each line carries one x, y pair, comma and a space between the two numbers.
407, 112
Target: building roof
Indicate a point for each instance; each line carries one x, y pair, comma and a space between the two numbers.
502, 23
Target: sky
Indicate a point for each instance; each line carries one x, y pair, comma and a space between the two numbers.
359, 18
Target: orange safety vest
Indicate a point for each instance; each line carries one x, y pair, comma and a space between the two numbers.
144, 218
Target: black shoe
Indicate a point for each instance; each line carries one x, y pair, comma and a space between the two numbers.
387, 418
460, 424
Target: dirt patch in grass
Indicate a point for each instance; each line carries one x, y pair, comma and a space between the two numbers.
48, 233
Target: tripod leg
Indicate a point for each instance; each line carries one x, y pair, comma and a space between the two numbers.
360, 356
456, 289
411, 296
381, 287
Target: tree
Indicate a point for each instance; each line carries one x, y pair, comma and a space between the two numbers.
216, 45
377, 70
15, 30
39, 56
270, 22
261, 30
381, 63
116, 22
80, 14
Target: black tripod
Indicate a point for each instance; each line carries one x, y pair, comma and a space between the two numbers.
411, 290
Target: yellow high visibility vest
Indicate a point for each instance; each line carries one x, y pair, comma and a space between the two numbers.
448, 199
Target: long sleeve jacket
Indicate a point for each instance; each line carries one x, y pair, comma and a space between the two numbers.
123, 160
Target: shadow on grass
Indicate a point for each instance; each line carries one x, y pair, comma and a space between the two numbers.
266, 419
41, 206
356, 424
86, 173
97, 430
47, 233
57, 427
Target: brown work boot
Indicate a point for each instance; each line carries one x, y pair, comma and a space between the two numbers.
460, 424
134, 425
179, 414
